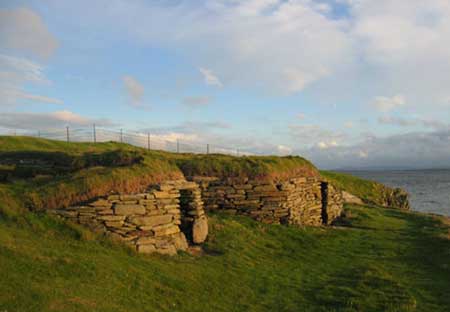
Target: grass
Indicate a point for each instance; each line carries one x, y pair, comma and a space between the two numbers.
370, 192
46, 174
379, 260
383, 260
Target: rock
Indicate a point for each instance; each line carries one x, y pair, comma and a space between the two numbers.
100, 203
167, 250
151, 220
200, 230
180, 241
164, 230
114, 224
351, 199
111, 218
128, 209
146, 249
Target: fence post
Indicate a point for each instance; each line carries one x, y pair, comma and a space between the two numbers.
39, 133
67, 133
95, 134
207, 148
178, 146
148, 141
121, 136
237, 152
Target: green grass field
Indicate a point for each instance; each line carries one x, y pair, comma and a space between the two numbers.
382, 260
376, 260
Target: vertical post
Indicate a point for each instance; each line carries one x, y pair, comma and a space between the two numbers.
95, 134
39, 133
207, 148
178, 146
67, 133
148, 141
121, 136
237, 152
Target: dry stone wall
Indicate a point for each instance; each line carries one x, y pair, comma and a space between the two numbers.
149, 222
301, 201
171, 215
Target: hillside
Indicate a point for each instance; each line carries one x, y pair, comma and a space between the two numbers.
375, 259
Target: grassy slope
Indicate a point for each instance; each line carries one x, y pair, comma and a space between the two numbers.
387, 260
369, 191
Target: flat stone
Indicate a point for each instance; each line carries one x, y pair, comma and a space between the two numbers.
166, 230
100, 202
114, 224
120, 209
111, 218
151, 220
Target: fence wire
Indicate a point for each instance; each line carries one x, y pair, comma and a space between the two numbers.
145, 140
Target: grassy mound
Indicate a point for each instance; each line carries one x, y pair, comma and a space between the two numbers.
46, 174
383, 260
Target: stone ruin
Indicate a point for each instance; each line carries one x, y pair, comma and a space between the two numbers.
171, 216
165, 219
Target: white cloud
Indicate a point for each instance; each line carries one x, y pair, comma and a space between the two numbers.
284, 150
24, 30
210, 78
387, 104
135, 90
14, 74
411, 122
314, 135
327, 145
54, 120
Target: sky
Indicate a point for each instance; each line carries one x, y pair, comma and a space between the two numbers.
344, 83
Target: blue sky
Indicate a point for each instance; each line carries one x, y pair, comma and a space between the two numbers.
347, 83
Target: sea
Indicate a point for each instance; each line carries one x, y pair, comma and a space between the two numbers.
429, 189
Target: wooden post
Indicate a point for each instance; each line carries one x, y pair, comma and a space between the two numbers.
67, 133
121, 136
39, 133
178, 146
207, 148
237, 152
95, 134
148, 141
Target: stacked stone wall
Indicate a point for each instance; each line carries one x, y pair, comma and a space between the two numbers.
294, 201
149, 222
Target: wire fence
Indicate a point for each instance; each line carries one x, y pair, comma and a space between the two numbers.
145, 140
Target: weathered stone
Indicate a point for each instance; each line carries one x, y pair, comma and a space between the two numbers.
163, 230
179, 241
100, 202
200, 230
146, 249
152, 220
130, 197
114, 224
111, 218
120, 209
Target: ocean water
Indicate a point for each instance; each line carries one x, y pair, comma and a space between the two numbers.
429, 189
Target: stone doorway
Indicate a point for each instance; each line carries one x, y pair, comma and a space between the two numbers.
194, 223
